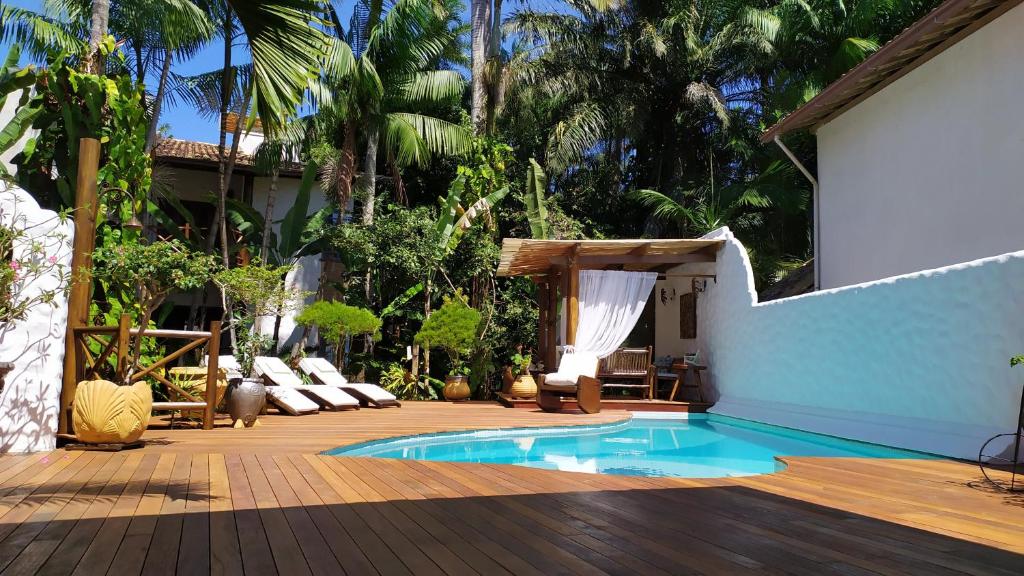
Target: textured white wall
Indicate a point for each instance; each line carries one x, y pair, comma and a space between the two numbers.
31, 397
928, 172
918, 361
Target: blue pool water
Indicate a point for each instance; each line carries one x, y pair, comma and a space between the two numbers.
702, 447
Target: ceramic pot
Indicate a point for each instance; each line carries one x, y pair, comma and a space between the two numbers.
524, 386
245, 398
105, 413
456, 388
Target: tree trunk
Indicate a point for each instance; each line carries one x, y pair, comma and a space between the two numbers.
480, 19
347, 167
158, 101
370, 174
97, 29
268, 214
426, 314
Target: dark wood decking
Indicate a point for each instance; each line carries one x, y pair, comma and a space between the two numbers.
261, 501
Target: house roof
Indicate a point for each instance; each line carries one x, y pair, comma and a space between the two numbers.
525, 257
947, 24
203, 154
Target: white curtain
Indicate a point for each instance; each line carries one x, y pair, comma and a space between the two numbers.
611, 302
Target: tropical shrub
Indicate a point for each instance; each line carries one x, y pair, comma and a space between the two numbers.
152, 271
338, 321
453, 328
396, 379
260, 291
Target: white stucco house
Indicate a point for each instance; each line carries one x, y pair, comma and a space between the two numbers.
188, 171
920, 158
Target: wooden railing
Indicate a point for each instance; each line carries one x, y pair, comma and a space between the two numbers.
115, 341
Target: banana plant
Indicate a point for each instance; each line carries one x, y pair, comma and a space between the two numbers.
12, 80
536, 213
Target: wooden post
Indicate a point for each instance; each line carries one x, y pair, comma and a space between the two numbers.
573, 299
542, 318
81, 271
551, 352
212, 374
124, 327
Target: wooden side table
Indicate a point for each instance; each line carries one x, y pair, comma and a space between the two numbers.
698, 382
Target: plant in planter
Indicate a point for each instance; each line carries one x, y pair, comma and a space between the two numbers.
337, 322
117, 411
522, 384
257, 291
453, 328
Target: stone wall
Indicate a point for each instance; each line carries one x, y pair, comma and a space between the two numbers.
918, 361
31, 397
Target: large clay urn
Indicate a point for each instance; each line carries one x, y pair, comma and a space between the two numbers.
105, 413
245, 398
456, 388
524, 386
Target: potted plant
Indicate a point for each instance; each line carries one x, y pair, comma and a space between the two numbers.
523, 385
257, 291
118, 411
453, 328
337, 322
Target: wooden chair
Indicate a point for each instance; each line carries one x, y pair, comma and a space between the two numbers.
628, 369
576, 377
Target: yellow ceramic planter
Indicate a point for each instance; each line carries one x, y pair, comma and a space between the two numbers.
523, 387
456, 388
106, 413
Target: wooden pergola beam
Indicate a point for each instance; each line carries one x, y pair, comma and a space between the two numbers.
589, 262
573, 296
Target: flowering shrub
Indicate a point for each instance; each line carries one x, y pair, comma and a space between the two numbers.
24, 261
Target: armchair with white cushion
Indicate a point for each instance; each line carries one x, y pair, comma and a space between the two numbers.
576, 377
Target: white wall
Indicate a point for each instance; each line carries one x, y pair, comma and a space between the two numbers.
666, 296
31, 397
308, 274
930, 170
919, 361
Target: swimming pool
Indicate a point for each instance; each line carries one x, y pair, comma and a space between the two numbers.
702, 446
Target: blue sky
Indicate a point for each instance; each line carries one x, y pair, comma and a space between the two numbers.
184, 122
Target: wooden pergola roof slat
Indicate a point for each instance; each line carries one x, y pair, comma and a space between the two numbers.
528, 257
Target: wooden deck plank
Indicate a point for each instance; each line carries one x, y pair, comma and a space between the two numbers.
254, 547
225, 555
261, 501
134, 543
106, 539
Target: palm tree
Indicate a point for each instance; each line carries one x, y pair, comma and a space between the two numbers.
381, 85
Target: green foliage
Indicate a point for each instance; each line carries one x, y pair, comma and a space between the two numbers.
260, 288
155, 269
1016, 360
521, 363
396, 379
338, 321
536, 212
453, 328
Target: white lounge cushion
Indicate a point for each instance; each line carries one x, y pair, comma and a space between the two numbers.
273, 369
571, 367
228, 363
291, 400
334, 397
371, 391
323, 371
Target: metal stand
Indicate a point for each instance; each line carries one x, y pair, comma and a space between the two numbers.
1014, 464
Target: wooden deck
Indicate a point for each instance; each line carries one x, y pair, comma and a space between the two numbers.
261, 501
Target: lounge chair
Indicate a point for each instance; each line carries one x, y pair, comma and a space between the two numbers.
576, 377
288, 400
280, 375
322, 371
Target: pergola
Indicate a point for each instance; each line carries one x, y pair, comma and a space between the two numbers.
555, 266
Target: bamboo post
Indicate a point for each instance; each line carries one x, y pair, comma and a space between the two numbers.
542, 318
573, 317
86, 207
551, 352
212, 374
124, 329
